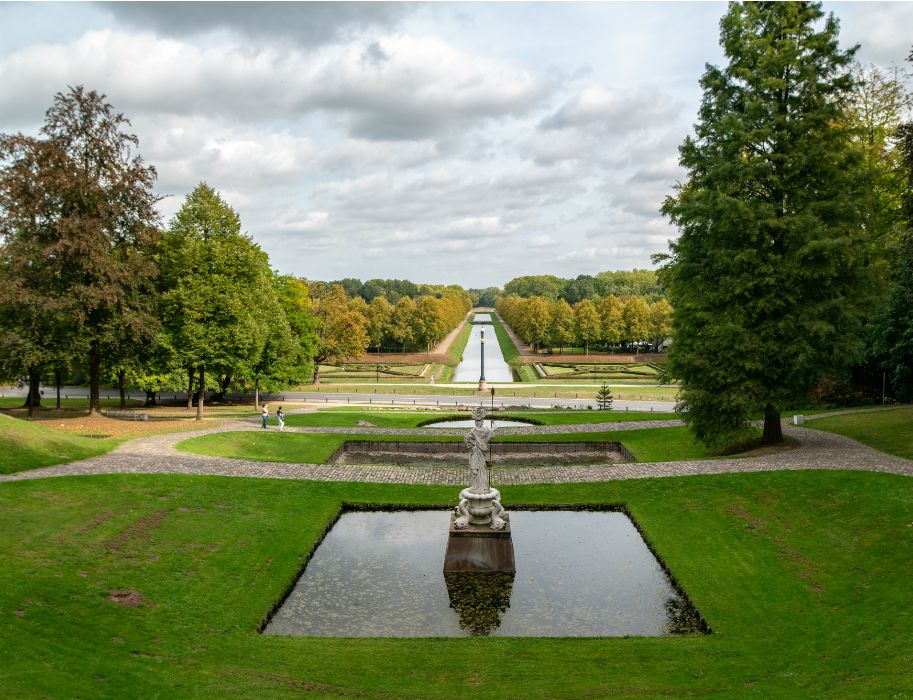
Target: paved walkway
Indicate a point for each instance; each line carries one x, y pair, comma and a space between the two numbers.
158, 455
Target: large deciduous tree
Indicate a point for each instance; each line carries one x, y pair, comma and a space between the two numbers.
587, 323
769, 273
341, 332
561, 324
84, 216
219, 291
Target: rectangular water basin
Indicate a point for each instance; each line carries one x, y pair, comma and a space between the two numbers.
579, 574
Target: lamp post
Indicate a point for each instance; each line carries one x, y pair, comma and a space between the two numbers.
482, 385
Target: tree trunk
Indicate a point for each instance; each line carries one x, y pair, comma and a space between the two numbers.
189, 388
773, 431
202, 393
94, 377
150, 398
257, 393
121, 387
57, 382
316, 373
34, 396
224, 381
586, 347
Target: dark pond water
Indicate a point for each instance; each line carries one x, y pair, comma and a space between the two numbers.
469, 423
579, 574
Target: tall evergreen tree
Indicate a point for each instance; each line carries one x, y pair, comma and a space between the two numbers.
769, 274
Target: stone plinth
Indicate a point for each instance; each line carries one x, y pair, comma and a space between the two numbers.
479, 548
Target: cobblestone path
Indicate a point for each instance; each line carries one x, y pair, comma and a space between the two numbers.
158, 455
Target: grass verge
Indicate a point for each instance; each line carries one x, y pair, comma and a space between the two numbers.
27, 445
156, 589
647, 445
412, 419
888, 430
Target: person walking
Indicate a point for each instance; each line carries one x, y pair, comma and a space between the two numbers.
281, 416
265, 415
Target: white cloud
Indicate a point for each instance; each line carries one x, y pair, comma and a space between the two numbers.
423, 88
615, 110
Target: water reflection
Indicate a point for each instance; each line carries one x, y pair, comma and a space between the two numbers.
469, 423
579, 574
479, 598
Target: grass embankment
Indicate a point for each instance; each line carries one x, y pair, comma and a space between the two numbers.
511, 354
647, 445
26, 445
412, 419
454, 353
138, 586
889, 430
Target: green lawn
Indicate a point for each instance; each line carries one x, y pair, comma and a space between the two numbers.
25, 445
50, 401
803, 576
455, 352
889, 430
647, 445
411, 419
508, 349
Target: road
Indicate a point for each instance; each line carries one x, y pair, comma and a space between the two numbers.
387, 398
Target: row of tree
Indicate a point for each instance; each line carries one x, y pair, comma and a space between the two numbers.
795, 260
623, 283
89, 281
348, 326
609, 321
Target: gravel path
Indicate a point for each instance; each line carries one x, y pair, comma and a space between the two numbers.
157, 455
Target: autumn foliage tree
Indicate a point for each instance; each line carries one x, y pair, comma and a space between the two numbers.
89, 224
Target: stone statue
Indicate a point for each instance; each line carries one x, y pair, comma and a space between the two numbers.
479, 504
477, 441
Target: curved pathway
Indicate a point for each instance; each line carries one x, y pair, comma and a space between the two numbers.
157, 455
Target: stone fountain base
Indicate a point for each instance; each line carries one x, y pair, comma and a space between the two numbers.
479, 548
479, 535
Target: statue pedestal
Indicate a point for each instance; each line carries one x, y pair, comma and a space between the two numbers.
479, 548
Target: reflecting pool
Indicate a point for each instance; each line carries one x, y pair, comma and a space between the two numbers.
579, 574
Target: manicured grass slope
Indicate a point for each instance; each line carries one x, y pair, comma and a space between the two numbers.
647, 445
890, 431
803, 576
25, 445
411, 419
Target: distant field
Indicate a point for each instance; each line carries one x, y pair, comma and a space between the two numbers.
646, 372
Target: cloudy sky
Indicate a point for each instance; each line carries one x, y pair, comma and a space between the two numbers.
456, 143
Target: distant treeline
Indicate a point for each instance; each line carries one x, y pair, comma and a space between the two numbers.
624, 283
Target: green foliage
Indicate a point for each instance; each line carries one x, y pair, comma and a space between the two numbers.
341, 332
77, 218
561, 325
587, 324
604, 398
220, 303
768, 278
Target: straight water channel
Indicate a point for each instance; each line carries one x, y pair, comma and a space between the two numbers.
579, 574
496, 368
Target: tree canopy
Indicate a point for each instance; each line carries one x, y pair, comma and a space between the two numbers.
769, 274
